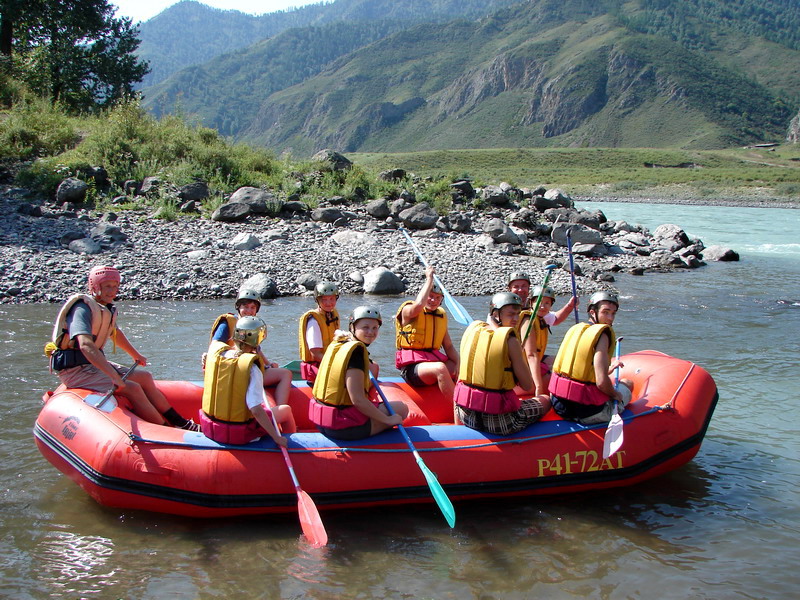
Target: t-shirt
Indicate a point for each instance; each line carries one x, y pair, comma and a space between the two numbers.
222, 333
313, 333
79, 320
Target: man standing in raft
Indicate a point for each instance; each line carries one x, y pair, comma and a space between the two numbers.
421, 327
234, 404
248, 303
581, 381
317, 328
344, 404
492, 363
83, 326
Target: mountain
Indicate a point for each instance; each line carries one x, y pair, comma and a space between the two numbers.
190, 33
682, 73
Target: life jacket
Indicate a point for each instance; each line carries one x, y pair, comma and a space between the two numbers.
573, 375
231, 319
328, 324
104, 322
539, 330
485, 362
225, 384
62, 351
331, 405
420, 339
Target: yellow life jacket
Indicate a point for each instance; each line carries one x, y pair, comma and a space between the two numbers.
225, 384
104, 323
575, 358
231, 319
425, 332
327, 325
540, 332
329, 387
485, 362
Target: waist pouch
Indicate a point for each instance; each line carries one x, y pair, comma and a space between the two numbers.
67, 359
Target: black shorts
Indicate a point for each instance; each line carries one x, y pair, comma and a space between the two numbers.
358, 432
409, 373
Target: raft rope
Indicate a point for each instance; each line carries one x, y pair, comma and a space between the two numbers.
343, 450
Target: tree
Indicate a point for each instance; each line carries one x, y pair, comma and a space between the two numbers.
74, 51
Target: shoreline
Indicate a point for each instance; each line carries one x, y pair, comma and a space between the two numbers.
194, 258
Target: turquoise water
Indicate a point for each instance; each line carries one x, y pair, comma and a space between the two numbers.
724, 526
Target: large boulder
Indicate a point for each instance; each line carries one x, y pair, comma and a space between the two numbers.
720, 253
230, 213
259, 201
580, 234
71, 190
262, 284
419, 216
333, 160
194, 191
383, 281
670, 237
500, 232
326, 214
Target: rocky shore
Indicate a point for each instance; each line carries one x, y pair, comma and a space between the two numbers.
46, 249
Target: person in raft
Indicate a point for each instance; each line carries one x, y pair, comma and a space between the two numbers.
344, 404
247, 304
235, 408
538, 333
316, 329
421, 326
581, 383
492, 364
519, 283
83, 325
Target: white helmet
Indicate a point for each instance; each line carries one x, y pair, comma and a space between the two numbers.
365, 312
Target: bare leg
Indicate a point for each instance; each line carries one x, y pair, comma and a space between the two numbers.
141, 404
281, 379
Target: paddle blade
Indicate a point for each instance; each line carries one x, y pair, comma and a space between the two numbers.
438, 493
105, 402
310, 520
459, 313
613, 439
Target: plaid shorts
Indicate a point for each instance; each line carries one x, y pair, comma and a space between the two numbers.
530, 411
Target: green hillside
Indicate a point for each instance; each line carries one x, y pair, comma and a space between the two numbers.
544, 73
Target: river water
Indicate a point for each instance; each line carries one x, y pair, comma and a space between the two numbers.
723, 526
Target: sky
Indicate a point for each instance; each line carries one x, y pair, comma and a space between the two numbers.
142, 10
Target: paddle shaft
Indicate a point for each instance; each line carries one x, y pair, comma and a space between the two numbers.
548, 269
572, 273
439, 495
110, 392
459, 312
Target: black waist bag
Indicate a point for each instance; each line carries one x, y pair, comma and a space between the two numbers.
66, 359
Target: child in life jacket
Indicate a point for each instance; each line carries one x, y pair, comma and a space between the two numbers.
248, 303
535, 334
425, 353
344, 404
317, 328
492, 364
235, 407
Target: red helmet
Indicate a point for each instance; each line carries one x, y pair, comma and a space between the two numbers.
100, 274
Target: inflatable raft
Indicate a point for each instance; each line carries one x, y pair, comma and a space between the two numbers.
126, 463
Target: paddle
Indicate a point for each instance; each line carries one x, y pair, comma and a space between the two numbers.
572, 272
310, 520
436, 488
547, 270
613, 438
99, 401
459, 313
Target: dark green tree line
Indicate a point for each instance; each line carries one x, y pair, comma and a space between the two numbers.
74, 52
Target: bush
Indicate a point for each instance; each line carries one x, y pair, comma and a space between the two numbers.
34, 127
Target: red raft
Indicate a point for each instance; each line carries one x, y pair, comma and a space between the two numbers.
124, 462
